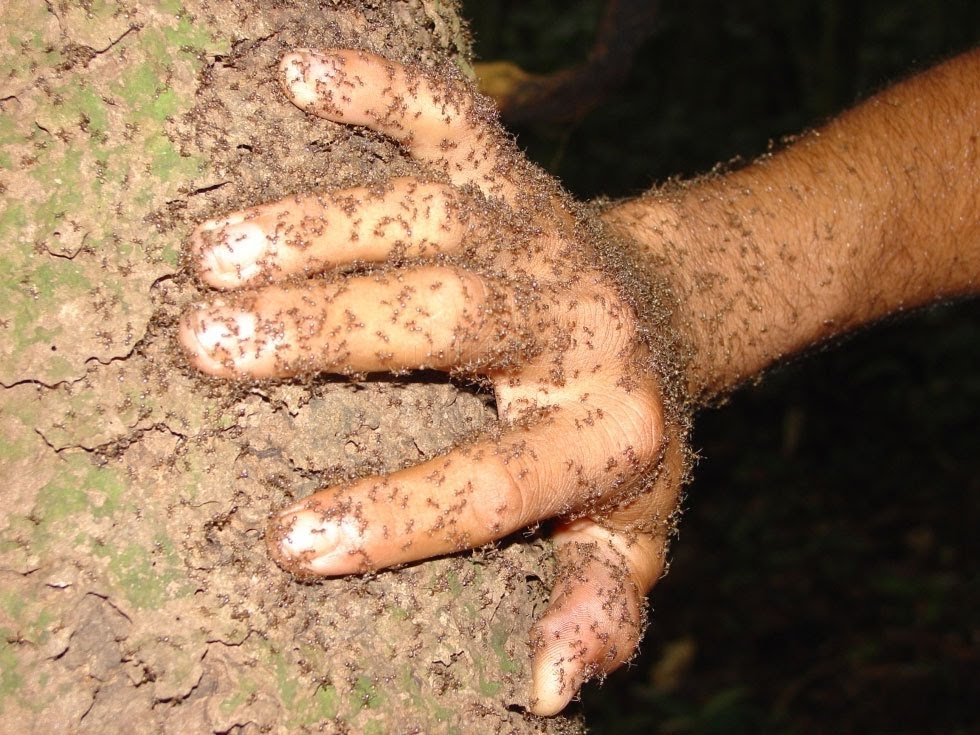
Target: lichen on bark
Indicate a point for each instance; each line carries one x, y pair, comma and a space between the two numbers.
134, 584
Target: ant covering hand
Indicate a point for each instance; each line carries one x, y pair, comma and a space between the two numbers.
485, 268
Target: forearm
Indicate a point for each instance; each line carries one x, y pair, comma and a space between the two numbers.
876, 212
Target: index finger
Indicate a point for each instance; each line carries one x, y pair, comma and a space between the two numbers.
441, 123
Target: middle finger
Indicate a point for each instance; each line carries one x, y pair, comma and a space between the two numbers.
437, 317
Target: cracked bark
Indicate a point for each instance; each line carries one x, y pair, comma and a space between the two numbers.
136, 588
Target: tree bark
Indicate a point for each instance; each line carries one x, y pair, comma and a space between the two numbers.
135, 591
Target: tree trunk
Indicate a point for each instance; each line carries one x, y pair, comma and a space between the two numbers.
135, 590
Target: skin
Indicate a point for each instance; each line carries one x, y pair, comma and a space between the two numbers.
875, 213
482, 266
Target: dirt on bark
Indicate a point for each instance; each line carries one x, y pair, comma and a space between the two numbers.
135, 589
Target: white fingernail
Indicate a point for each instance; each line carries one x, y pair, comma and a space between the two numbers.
304, 72
236, 252
225, 336
317, 543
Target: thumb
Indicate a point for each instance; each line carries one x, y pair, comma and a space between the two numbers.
597, 612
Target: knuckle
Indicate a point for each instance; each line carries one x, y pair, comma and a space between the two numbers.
605, 323
506, 507
460, 297
643, 424
633, 428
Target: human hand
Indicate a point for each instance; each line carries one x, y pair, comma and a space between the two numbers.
481, 266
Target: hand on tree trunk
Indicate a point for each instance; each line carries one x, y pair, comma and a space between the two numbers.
482, 267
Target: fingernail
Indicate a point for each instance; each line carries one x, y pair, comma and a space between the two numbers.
304, 71
222, 338
556, 679
309, 540
226, 332
294, 66
233, 251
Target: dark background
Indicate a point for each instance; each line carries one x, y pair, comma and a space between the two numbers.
825, 580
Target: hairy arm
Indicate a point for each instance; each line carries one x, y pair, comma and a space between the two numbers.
875, 213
